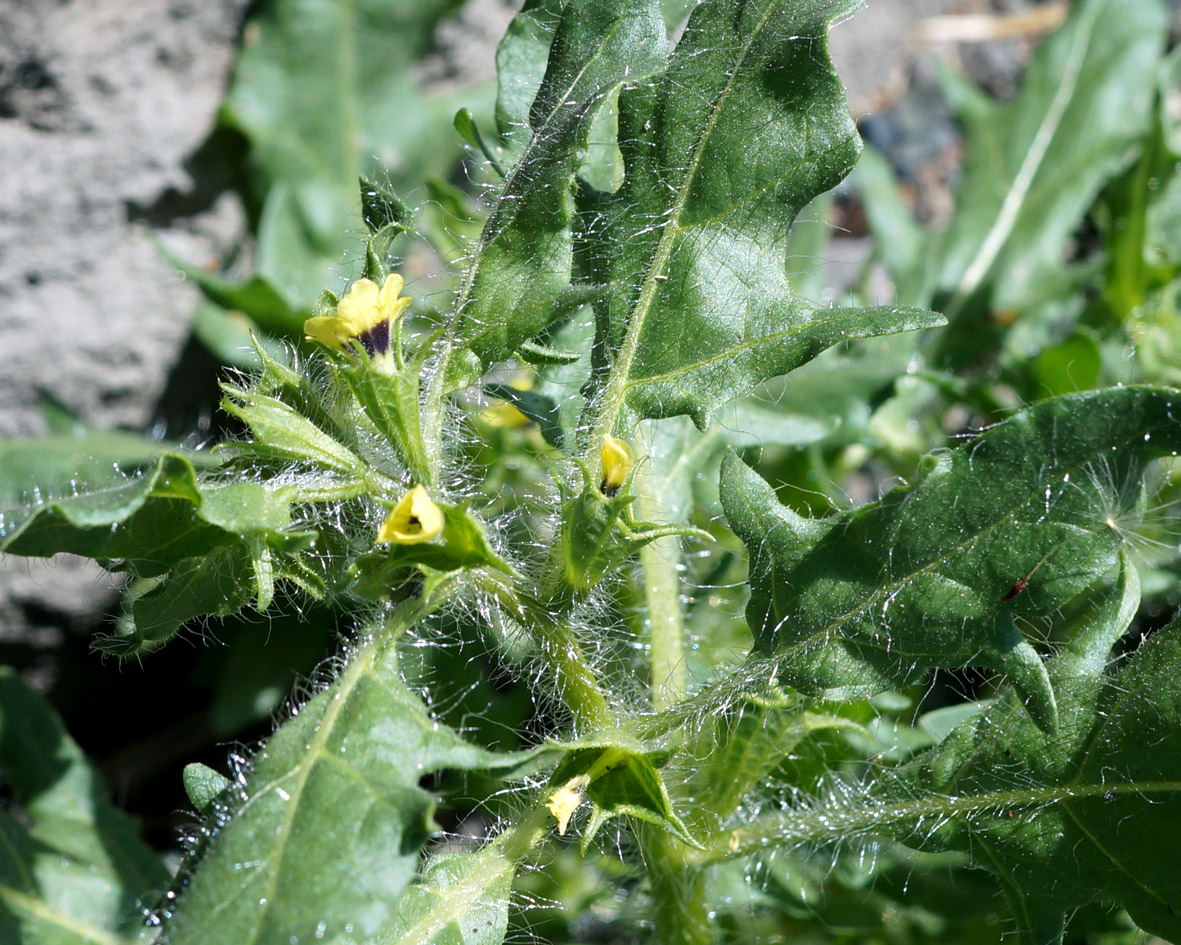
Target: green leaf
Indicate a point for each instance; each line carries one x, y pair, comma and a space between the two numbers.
460, 899
217, 584
206, 787
900, 243
79, 457
1011, 525
334, 819
1035, 163
232, 338
74, 870
153, 522
745, 128
521, 60
747, 744
256, 298
524, 257
1092, 816
282, 432
599, 533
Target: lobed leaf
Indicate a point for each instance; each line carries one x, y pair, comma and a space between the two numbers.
1011, 525
1092, 814
151, 523
743, 130
524, 257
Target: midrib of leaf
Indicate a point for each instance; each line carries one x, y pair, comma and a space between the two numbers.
1015, 197
353, 675
455, 902
615, 394
357, 669
30, 905
824, 824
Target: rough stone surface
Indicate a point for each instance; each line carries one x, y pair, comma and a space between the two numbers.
100, 105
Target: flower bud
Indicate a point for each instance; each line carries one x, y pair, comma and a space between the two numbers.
617, 459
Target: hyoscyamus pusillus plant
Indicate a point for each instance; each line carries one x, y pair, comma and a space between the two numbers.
561, 475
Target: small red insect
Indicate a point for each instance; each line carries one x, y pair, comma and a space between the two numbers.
1016, 589
1022, 583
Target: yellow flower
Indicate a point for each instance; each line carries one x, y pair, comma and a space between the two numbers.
617, 459
365, 313
565, 800
413, 520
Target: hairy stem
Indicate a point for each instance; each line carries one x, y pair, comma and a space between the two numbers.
660, 564
678, 890
577, 682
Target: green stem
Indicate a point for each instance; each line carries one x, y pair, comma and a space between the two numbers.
577, 682
678, 890
660, 562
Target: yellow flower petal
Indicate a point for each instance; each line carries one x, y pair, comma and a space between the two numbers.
363, 309
565, 800
617, 459
413, 520
359, 311
327, 330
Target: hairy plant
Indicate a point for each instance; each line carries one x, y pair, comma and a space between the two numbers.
538, 505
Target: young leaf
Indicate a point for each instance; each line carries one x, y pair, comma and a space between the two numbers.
460, 899
747, 125
1013, 524
524, 257
334, 820
749, 743
281, 432
73, 869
